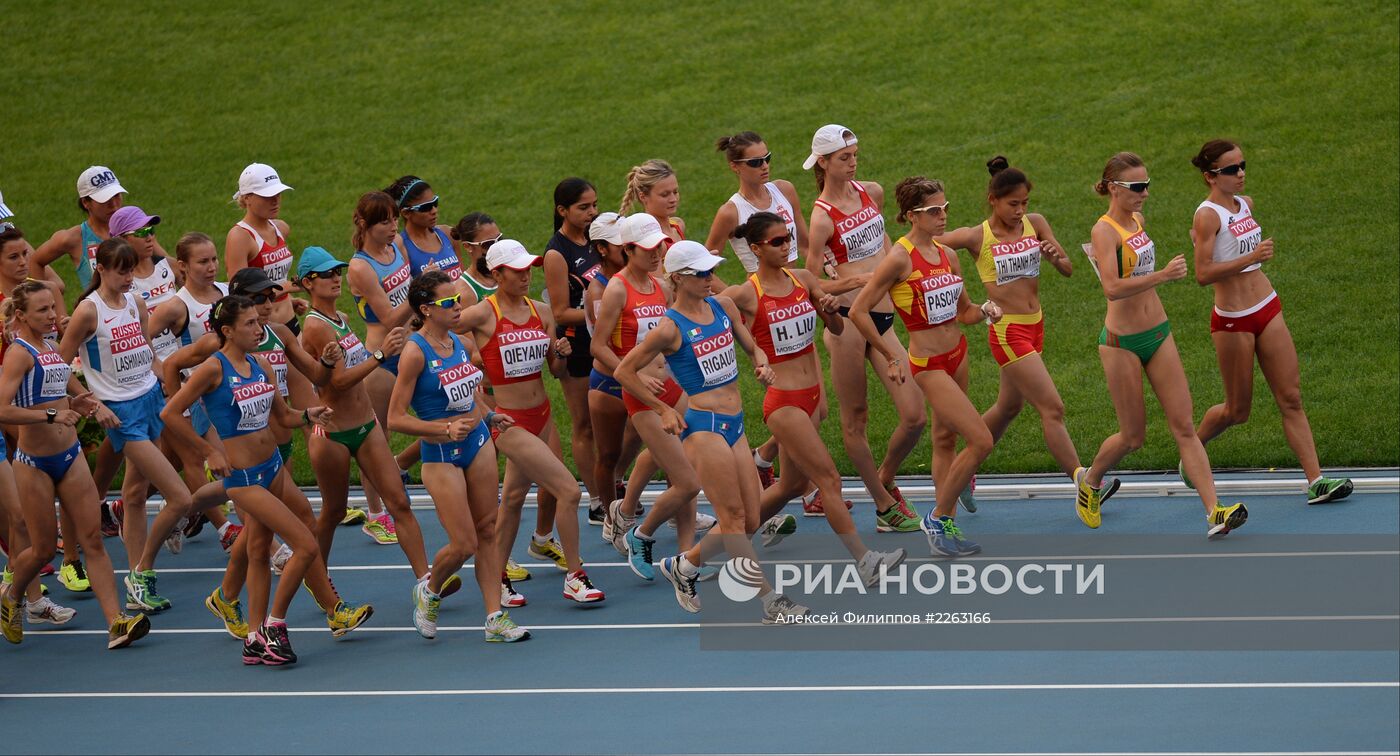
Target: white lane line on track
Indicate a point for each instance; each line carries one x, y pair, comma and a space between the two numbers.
1060, 557
989, 687
699, 625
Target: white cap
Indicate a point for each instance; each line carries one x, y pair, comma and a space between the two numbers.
828, 139
512, 254
99, 183
690, 255
642, 230
606, 227
4, 209
260, 179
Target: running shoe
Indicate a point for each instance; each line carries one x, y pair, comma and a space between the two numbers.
621, 524
353, 516
500, 628
944, 537
686, 594
1181, 470
515, 572
1329, 489
509, 596
639, 554
577, 587
347, 616
703, 522
280, 558
381, 529
812, 505
1224, 519
900, 518
782, 610
193, 525
1086, 499
965, 547
776, 528
141, 592
706, 572
548, 550
451, 585
11, 618
277, 643
119, 514
765, 474
1107, 489
73, 577
228, 612
127, 630
175, 542
255, 649
597, 514
47, 570
110, 525
229, 535
870, 565
610, 521
895, 493
967, 498
425, 610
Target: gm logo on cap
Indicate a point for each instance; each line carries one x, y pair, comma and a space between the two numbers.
102, 179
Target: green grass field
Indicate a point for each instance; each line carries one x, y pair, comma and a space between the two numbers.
493, 104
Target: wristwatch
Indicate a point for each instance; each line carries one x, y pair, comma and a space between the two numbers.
379, 355
50, 414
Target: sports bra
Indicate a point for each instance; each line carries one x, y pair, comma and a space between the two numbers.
929, 296
705, 360
240, 405
47, 379
445, 259
640, 313
1136, 253
859, 235
1001, 262
354, 350
516, 351
784, 327
274, 259
1239, 233
393, 277
447, 385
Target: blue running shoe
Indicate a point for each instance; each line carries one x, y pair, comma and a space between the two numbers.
944, 538
964, 546
639, 554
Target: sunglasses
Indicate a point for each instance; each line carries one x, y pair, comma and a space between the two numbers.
757, 162
1133, 186
142, 233
423, 207
447, 302
317, 275
486, 243
779, 241
943, 208
1229, 170
261, 297
695, 273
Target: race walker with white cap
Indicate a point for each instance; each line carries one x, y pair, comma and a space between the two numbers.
259, 240
100, 195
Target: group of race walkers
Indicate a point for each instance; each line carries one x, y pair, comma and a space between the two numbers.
200, 385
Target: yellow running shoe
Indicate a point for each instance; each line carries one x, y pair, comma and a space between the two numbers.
228, 612
353, 516
74, 577
1086, 500
548, 550
347, 617
127, 630
1223, 519
451, 585
11, 618
515, 572
381, 529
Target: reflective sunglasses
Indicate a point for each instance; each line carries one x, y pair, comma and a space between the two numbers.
943, 208
142, 233
1133, 186
260, 298
695, 273
316, 275
779, 241
486, 243
423, 207
757, 162
447, 302
1229, 170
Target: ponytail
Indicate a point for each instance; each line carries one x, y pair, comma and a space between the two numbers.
641, 179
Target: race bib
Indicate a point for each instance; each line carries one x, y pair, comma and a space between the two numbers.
1248, 233
793, 328
396, 285
277, 360
715, 356
648, 317
523, 352
131, 355
277, 263
863, 234
941, 293
354, 349
254, 402
1144, 251
1016, 260
56, 373
459, 383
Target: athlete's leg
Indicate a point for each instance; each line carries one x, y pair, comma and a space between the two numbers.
907, 403
954, 410
1168, 379
1033, 382
144, 457
1235, 352
1123, 372
447, 486
78, 495
330, 462
1278, 359
847, 352
378, 466
581, 439
804, 450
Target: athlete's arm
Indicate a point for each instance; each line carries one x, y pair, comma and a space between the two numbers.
312, 368
314, 337
664, 339
556, 282
80, 328
239, 248
187, 357
63, 242
609, 312
1204, 227
1104, 243
142, 315
790, 192
1050, 248
894, 267
761, 368
363, 279
168, 316
967, 237
823, 302
559, 349
726, 220
398, 419
744, 298
203, 380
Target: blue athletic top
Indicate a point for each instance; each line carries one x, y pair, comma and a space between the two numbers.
445, 259
89, 251
46, 381
705, 360
393, 277
447, 386
238, 405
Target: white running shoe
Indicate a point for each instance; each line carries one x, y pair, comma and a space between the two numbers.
703, 522
280, 558
577, 587
46, 612
425, 610
870, 565
776, 528
510, 598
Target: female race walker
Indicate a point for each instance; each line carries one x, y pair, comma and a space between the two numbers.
654, 186
696, 336
476, 232
240, 396
427, 245
1136, 339
108, 327
778, 304
1008, 248
99, 195
259, 240
569, 263
39, 393
513, 336
848, 231
438, 380
924, 281
1247, 323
